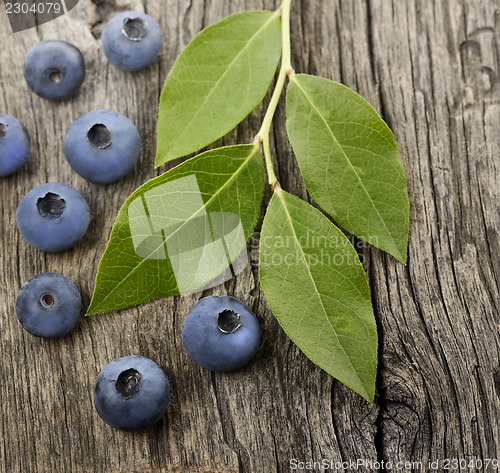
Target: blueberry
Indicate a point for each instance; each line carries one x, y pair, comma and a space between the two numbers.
54, 69
131, 40
52, 217
48, 305
102, 146
220, 333
131, 393
15, 145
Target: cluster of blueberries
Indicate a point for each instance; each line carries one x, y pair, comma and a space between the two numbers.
220, 333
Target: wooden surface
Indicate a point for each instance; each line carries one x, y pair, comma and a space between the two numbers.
431, 68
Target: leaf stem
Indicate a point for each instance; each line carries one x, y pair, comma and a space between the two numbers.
285, 70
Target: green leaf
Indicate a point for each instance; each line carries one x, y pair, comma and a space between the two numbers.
317, 289
182, 231
221, 76
349, 161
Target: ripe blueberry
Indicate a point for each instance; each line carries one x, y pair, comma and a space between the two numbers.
54, 69
131, 40
102, 146
15, 145
52, 217
131, 393
220, 333
48, 305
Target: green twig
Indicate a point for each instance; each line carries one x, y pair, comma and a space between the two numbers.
285, 70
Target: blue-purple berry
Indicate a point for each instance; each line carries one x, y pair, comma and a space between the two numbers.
15, 145
48, 305
131, 393
131, 40
102, 146
54, 69
52, 217
221, 333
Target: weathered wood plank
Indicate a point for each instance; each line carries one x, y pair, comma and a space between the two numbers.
439, 316
431, 69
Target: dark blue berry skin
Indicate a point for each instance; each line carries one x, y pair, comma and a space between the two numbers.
102, 146
54, 69
131, 393
131, 40
15, 145
48, 305
220, 333
52, 217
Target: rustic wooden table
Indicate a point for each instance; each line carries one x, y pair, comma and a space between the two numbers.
432, 70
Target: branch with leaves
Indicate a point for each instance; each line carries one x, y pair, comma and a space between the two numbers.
168, 233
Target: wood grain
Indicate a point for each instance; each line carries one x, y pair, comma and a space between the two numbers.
431, 68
